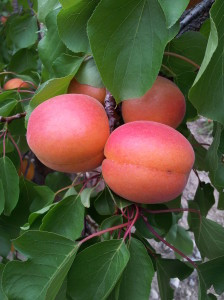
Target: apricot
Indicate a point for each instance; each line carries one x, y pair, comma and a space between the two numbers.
147, 162
163, 103
68, 133
27, 169
77, 88
15, 83
4, 19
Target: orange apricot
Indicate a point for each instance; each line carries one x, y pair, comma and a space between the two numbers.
15, 83
163, 103
77, 88
68, 133
27, 169
147, 162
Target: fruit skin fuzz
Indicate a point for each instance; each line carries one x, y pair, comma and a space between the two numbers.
147, 162
163, 103
68, 133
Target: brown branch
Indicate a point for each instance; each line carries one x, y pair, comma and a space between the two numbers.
12, 118
110, 107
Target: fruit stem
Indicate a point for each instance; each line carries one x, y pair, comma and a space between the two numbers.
128, 231
166, 243
169, 70
102, 232
17, 149
4, 137
183, 58
192, 210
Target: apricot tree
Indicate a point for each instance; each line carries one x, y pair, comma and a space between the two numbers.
85, 198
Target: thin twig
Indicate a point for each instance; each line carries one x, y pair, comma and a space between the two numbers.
162, 211
17, 149
102, 232
168, 244
183, 58
11, 118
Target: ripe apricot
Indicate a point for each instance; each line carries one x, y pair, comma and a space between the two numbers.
77, 88
147, 162
27, 169
68, 133
15, 83
163, 103
4, 19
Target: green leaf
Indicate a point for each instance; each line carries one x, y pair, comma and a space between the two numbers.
200, 154
131, 46
212, 273
50, 46
191, 45
89, 74
45, 7
66, 64
5, 244
205, 197
97, 269
2, 197
10, 182
7, 103
167, 269
65, 218
49, 89
85, 195
56, 181
160, 222
221, 200
108, 223
72, 22
121, 203
208, 233
23, 60
36, 196
104, 203
214, 159
22, 31
172, 15
2, 295
49, 258
207, 91
33, 216
137, 276
180, 238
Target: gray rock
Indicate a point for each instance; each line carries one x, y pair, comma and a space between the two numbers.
154, 295
174, 282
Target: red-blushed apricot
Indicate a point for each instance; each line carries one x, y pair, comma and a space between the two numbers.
77, 88
147, 162
163, 103
4, 19
68, 133
15, 83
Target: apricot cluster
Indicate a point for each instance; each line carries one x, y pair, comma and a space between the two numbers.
143, 161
